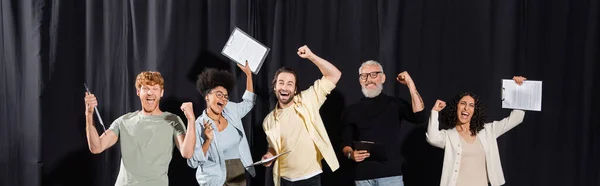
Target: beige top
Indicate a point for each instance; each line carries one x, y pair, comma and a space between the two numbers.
306, 105
449, 140
472, 171
304, 158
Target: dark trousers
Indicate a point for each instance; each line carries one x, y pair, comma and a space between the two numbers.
313, 181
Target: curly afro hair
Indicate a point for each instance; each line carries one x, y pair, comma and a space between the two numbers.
211, 78
449, 116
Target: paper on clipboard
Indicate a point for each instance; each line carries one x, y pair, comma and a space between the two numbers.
241, 47
527, 96
267, 160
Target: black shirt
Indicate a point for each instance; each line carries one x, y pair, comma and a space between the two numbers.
378, 120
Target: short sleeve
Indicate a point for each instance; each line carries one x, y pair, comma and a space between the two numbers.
177, 124
115, 126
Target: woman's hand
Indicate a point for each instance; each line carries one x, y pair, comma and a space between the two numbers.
439, 105
519, 79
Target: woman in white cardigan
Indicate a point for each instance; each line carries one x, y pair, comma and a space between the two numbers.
471, 156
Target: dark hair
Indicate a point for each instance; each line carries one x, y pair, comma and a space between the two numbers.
211, 78
282, 70
449, 116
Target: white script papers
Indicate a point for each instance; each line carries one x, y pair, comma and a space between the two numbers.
241, 48
527, 96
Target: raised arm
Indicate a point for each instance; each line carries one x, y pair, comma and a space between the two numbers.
248, 72
409, 114
515, 118
186, 142
248, 99
435, 136
417, 101
327, 69
97, 144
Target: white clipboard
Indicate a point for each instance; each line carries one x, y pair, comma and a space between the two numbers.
527, 96
241, 47
267, 160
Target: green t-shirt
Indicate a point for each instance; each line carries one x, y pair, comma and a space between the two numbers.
146, 147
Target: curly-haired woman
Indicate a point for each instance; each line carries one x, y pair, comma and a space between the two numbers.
471, 154
222, 152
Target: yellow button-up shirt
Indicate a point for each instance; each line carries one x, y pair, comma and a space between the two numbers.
307, 104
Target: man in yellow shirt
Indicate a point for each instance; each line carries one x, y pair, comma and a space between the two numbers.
296, 126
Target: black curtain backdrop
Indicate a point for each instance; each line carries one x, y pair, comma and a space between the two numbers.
50, 48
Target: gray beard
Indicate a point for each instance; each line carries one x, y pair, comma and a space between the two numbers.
372, 93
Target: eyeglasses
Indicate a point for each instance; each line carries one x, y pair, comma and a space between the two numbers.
220, 95
373, 75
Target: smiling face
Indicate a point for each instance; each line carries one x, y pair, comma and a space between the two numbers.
150, 97
150, 88
217, 99
371, 79
465, 110
285, 88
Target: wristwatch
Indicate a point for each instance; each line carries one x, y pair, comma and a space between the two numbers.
349, 154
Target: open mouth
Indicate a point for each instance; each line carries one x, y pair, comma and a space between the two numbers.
220, 104
464, 115
284, 94
151, 100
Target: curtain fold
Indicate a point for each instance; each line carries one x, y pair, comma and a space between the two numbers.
48, 49
21, 78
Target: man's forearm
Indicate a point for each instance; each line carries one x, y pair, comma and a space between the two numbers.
327, 69
187, 148
93, 138
417, 101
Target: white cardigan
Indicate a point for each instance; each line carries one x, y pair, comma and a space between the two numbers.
449, 140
